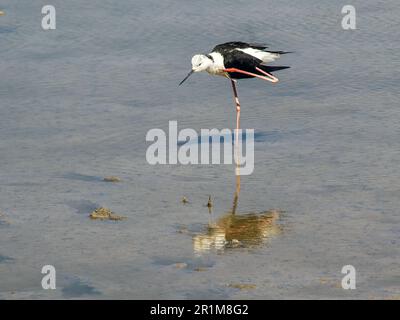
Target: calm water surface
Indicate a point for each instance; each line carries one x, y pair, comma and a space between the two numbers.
76, 104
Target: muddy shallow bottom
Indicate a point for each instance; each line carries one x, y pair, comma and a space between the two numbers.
76, 105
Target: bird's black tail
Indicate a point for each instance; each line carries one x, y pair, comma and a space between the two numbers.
271, 69
279, 52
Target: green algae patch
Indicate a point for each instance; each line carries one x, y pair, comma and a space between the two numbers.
113, 179
105, 214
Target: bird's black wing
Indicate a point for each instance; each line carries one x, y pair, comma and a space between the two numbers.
259, 46
240, 60
227, 46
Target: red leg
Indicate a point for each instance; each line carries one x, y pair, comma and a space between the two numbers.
235, 94
269, 77
236, 98
273, 78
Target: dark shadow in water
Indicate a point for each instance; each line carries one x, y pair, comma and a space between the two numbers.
78, 288
191, 263
6, 30
259, 136
25, 184
82, 177
5, 259
3, 221
272, 136
83, 206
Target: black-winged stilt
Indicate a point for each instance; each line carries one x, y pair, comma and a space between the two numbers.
238, 60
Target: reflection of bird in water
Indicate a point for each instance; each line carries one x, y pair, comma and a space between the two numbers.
233, 230
209, 203
237, 230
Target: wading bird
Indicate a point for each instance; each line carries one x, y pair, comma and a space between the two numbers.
238, 60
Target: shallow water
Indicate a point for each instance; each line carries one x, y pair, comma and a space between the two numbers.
75, 107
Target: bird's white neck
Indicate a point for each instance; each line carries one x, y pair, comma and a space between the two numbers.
218, 64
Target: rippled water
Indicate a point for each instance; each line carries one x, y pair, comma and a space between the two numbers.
76, 104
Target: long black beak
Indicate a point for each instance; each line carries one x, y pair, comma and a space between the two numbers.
189, 74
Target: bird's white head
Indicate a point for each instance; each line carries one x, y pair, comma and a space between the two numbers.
200, 62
